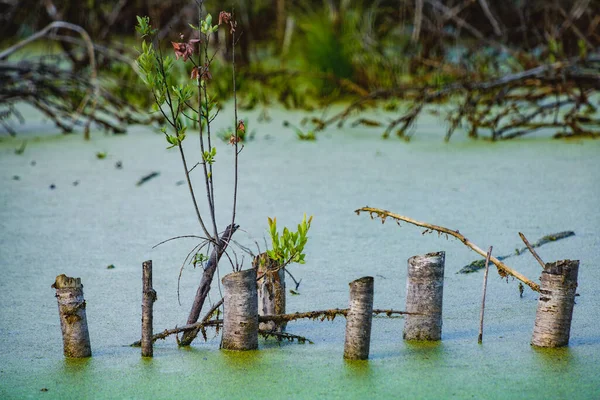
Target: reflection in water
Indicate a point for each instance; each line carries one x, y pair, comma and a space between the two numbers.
244, 360
554, 360
76, 365
358, 368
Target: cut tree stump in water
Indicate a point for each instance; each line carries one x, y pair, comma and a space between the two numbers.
424, 293
558, 285
271, 292
73, 322
148, 299
240, 311
359, 319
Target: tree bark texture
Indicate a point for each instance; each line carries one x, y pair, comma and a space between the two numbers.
205, 282
558, 284
359, 319
148, 299
240, 311
424, 293
271, 293
73, 322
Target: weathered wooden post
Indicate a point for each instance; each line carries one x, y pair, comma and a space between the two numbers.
558, 284
148, 299
240, 311
359, 319
271, 292
73, 322
424, 293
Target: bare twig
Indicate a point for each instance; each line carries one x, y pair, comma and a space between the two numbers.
485, 278
503, 269
535, 255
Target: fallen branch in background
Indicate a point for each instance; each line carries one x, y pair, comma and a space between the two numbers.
479, 264
503, 269
65, 95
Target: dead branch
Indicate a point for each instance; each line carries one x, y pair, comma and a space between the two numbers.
284, 336
321, 315
503, 269
533, 252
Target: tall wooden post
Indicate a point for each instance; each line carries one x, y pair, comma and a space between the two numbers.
73, 322
424, 293
240, 311
148, 299
359, 319
558, 284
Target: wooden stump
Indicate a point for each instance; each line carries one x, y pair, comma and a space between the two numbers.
240, 311
558, 284
73, 322
271, 292
359, 319
148, 299
424, 293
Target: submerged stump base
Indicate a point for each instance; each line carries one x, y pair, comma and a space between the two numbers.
359, 319
558, 285
240, 311
73, 321
424, 293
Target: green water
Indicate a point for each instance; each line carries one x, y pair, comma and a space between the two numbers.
489, 192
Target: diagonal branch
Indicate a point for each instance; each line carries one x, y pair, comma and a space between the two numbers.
503, 269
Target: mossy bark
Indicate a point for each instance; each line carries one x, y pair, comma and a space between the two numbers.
424, 294
271, 292
359, 319
148, 299
240, 311
558, 285
73, 321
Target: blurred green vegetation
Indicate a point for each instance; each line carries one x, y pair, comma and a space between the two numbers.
306, 54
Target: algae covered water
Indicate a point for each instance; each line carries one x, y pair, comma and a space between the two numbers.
64, 210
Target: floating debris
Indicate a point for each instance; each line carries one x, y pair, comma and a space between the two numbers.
480, 264
75, 183
146, 178
16, 177
101, 155
52, 186
21, 149
111, 266
119, 165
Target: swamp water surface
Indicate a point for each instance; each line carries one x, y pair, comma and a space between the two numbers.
489, 191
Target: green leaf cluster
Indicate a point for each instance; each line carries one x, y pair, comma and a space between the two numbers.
209, 156
289, 246
206, 26
144, 28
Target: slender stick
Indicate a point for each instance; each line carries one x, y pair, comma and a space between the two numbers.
535, 255
235, 126
502, 268
485, 278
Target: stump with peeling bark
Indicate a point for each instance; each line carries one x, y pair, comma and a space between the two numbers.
558, 284
240, 311
424, 293
73, 321
359, 319
271, 292
148, 299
